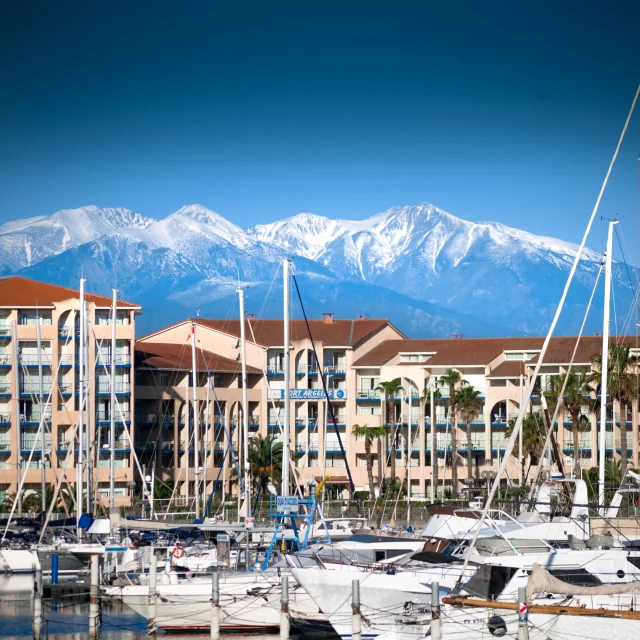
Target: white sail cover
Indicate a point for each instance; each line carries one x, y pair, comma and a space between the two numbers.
541, 581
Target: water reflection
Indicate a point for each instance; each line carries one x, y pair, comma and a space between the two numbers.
68, 620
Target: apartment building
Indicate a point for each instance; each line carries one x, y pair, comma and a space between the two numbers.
500, 369
164, 411
39, 380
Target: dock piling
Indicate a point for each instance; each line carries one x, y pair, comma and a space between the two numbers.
523, 612
284, 608
152, 624
356, 618
54, 568
94, 598
215, 606
37, 604
436, 624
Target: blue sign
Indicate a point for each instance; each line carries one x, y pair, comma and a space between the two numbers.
309, 394
287, 504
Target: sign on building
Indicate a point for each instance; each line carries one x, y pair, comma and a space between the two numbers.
308, 394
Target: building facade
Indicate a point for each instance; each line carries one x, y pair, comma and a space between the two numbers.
39, 383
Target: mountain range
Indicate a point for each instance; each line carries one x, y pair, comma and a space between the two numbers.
428, 271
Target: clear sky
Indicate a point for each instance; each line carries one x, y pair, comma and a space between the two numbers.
505, 111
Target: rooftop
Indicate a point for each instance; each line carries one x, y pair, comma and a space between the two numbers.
270, 333
177, 357
17, 292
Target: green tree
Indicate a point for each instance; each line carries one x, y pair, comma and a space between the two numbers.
532, 438
437, 398
265, 461
577, 386
389, 389
469, 405
369, 433
452, 379
622, 385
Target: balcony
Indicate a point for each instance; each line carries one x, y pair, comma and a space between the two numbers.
584, 442
120, 445
619, 446
121, 415
31, 360
5, 389
33, 388
5, 447
66, 388
121, 360
5, 420
32, 441
5, 332
34, 418
275, 370
477, 444
66, 333
334, 370
364, 395
66, 360
121, 387
629, 418
5, 361
502, 420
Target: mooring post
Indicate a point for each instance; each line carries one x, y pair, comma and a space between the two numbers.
94, 598
284, 608
356, 618
523, 612
54, 568
215, 606
152, 626
436, 624
37, 604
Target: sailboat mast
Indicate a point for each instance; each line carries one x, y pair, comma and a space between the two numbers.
43, 478
245, 409
520, 439
196, 420
605, 364
434, 443
285, 445
112, 413
81, 390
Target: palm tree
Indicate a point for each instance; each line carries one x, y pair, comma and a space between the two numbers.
622, 385
577, 386
469, 404
437, 397
389, 390
365, 432
265, 461
451, 380
532, 440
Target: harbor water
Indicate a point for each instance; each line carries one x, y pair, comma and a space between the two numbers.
68, 620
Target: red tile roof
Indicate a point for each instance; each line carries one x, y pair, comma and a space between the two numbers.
270, 333
509, 369
17, 292
161, 355
481, 351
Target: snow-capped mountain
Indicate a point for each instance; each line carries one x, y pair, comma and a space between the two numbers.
27, 242
427, 270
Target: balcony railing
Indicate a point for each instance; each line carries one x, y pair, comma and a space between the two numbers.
120, 387
334, 368
5, 388
66, 359
5, 330
66, 388
104, 359
275, 370
5, 360
584, 442
120, 415
120, 443
5, 445
31, 359
368, 394
477, 444
34, 387
5, 418
35, 417
629, 444
31, 441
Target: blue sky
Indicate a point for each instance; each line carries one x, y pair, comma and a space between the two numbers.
504, 111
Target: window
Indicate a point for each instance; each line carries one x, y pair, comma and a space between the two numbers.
30, 317
103, 317
369, 411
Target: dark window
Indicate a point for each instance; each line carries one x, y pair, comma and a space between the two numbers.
579, 577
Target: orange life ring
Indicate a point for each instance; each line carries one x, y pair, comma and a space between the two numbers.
178, 551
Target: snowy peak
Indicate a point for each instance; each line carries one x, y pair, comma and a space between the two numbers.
305, 234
